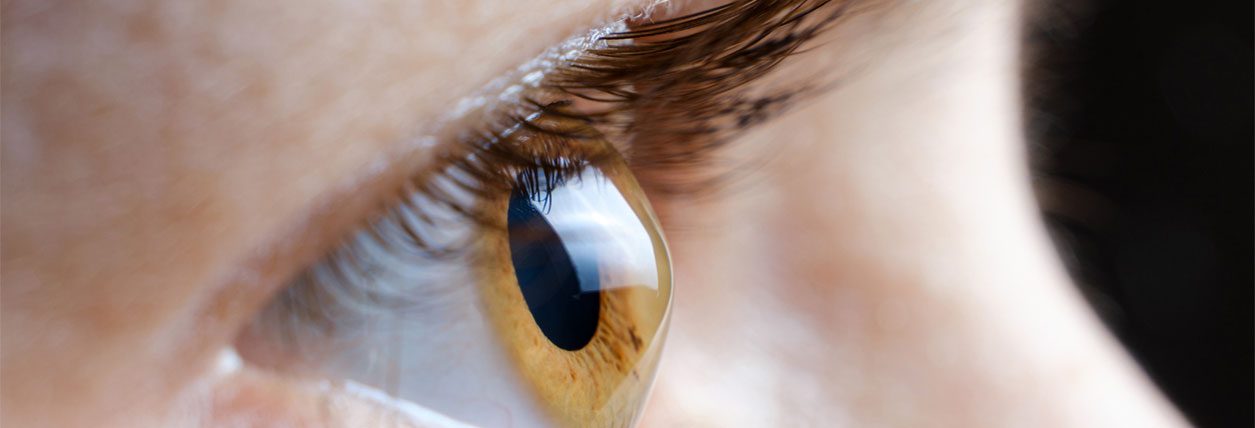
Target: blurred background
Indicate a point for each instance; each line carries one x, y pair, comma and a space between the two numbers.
1141, 117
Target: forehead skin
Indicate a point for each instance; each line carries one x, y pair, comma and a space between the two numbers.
151, 148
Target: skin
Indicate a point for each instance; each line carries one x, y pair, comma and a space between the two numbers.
167, 166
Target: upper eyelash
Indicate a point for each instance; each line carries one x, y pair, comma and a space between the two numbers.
699, 64
703, 71
744, 39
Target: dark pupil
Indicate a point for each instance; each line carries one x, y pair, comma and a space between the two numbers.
553, 282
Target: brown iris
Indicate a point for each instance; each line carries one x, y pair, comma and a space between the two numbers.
591, 250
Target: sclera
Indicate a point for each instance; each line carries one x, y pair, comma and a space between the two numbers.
606, 382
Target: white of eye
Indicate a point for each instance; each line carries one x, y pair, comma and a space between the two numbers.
433, 346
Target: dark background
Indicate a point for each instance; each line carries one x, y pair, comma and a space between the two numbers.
1141, 121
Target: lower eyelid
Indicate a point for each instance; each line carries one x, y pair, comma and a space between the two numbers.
432, 347
248, 397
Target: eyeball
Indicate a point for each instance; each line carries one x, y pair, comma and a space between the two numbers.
580, 294
552, 311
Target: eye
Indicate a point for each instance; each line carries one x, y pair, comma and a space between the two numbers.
551, 311
523, 280
580, 294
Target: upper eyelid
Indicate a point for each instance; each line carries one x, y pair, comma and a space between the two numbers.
348, 203
344, 206
739, 41
752, 34
504, 101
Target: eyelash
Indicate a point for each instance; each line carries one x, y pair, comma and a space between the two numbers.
701, 64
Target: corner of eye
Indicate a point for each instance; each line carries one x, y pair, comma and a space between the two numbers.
246, 396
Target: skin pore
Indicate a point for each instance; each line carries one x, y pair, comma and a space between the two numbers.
167, 166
